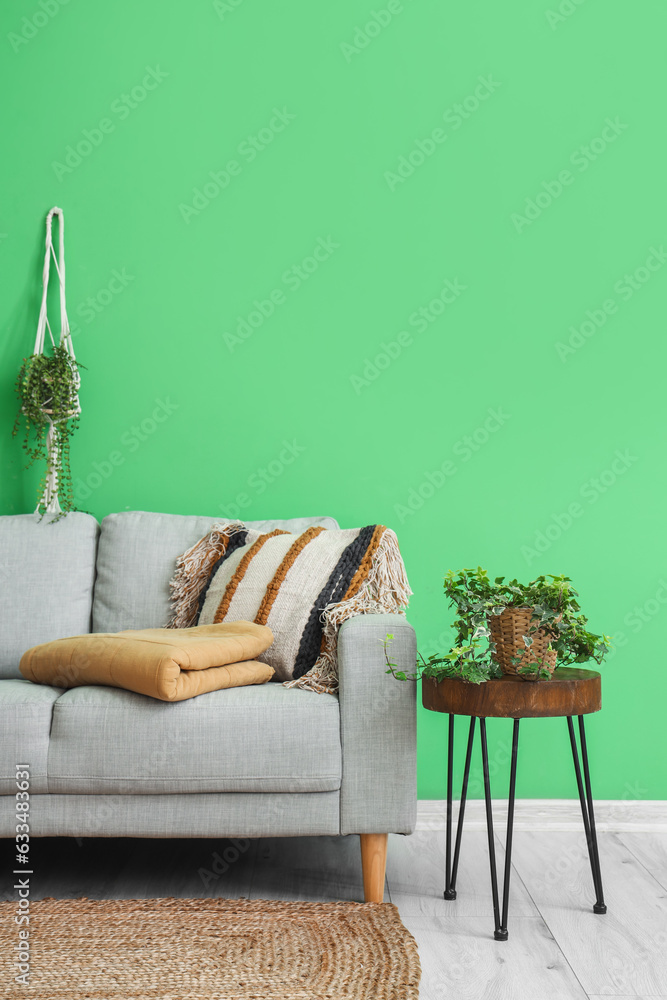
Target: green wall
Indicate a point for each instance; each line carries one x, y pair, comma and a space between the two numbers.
431, 262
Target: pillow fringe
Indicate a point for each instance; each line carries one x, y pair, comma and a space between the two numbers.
386, 590
193, 569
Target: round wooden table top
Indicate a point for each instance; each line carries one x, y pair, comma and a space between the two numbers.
571, 691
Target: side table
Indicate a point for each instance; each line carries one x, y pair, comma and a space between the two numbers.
571, 692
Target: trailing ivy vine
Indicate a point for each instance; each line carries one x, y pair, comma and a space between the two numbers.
555, 609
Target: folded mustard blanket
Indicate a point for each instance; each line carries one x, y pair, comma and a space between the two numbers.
166, 663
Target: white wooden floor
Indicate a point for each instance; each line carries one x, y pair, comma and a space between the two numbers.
558, 948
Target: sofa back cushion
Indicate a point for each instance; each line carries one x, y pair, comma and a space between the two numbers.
47, 571
136, 559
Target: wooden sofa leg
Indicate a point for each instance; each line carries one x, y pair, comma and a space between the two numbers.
373, 865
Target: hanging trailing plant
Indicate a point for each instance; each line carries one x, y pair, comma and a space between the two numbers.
47, 387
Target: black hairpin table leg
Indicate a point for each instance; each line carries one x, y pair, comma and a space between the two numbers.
449, 892
451, 868
587, 813
500, 932
489, 828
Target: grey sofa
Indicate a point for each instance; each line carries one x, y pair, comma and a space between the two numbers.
247, 762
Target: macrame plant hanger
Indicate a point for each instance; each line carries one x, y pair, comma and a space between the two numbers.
49, 501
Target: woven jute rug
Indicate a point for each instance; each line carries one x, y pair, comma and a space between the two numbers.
209, 949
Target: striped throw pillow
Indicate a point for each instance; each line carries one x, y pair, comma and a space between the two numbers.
301, 586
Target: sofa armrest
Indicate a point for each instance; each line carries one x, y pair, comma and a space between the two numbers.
378, 727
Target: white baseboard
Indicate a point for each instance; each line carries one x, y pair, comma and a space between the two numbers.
611, 816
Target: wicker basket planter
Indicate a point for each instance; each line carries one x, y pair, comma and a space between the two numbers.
507, 632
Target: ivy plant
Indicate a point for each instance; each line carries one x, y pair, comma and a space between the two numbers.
555, 609
47, 387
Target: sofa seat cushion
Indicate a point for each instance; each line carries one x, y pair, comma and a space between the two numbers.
25, 722
47, 572
136, 560
248, 739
